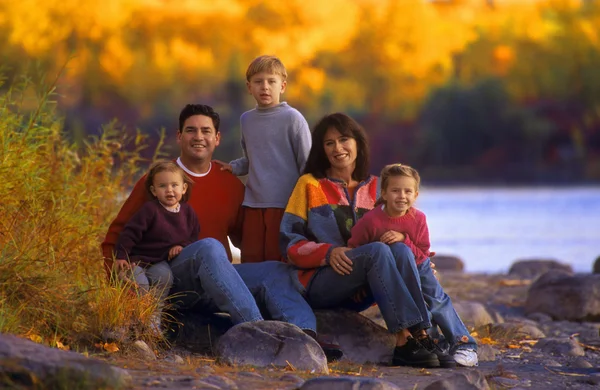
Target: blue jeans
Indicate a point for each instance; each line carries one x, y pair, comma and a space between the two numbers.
278, 292
158, 275
393, 283
205, 280
438, 302
442, 311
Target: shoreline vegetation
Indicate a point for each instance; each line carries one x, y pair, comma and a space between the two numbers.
57, 201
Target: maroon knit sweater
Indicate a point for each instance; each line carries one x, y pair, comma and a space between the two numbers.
153, 231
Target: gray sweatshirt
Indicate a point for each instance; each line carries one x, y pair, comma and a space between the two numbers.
275, 143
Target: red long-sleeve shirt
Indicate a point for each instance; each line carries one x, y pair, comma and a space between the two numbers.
413, 225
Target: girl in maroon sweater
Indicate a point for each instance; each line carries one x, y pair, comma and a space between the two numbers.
394, 221
158, 232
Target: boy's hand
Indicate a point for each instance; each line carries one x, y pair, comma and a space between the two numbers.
121, 265
391, 237
224, 166
175, 251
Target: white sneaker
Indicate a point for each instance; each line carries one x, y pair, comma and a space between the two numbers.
466, 358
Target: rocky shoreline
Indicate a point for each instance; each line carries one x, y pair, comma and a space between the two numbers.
538, 327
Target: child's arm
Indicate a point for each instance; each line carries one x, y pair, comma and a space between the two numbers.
239, 167
132, 233
420, 244
302, 143
361, 233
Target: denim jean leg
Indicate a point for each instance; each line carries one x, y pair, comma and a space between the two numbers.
442, 311
407, 266
373, 267
161, 279
139, 275
277, 291
203, 274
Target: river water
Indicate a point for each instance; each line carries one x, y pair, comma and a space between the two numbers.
489, 228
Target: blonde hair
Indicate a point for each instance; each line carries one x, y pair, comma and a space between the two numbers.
167, 166
266, 63
397, 170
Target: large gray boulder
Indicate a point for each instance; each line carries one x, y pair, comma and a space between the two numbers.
596, 268
448, 263
266, 343
361, 339
470, 380
475, 314
25, 363
565, 297
532, 268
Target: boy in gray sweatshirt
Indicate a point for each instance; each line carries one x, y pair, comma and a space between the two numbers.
275, 142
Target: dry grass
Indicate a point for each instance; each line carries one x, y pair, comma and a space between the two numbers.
56, 201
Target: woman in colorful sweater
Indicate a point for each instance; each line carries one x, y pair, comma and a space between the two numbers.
334, 192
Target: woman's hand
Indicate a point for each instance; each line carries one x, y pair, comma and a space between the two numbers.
339, 261
390, 237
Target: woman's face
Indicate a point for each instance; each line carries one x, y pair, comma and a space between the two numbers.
339, 149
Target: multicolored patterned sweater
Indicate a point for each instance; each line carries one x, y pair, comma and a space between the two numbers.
319, 217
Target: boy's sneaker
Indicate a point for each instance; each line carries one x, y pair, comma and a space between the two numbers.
466, 357
414, 354
446, 360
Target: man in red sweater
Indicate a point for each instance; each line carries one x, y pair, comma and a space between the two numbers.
204, 278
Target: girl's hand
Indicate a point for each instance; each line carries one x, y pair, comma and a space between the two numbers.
175, 251
224, 166
390, 237
339, 261
121, 265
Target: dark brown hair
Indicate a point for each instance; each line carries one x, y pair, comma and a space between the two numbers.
317, 163
167, 166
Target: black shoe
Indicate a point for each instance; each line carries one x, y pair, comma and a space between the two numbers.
414, 354
446, 360
333, 352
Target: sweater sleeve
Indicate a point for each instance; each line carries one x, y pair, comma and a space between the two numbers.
295, 240
302, 142
240, 166
361, 233
419, 245
134, 230
134, 202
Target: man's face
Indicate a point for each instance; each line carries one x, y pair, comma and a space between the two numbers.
198, 138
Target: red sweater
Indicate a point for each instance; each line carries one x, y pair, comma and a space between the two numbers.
216, 198
376, 222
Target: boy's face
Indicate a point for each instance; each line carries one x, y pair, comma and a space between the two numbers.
266, 88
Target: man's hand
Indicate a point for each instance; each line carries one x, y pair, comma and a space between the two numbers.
224, 166
175, 251
339, 261
121, 265
390, 237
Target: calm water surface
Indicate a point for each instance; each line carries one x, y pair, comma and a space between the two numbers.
489, 228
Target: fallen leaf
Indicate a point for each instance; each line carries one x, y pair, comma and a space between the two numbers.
35, 338
60, 345
514, 283
487, 340
110, 347
513, 346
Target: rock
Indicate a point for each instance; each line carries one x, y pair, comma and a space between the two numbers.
26, 363
475, 314
539, 317
560, 347
565, 297
266, 343
292, 378
374, 314
552, 363
175, 359
448, 263
361, 339
205, 370
596, 268
198, 332
347, 383
530, 269
470, 380
144, 350
515, 330
221, 382
580, 362
486, 353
